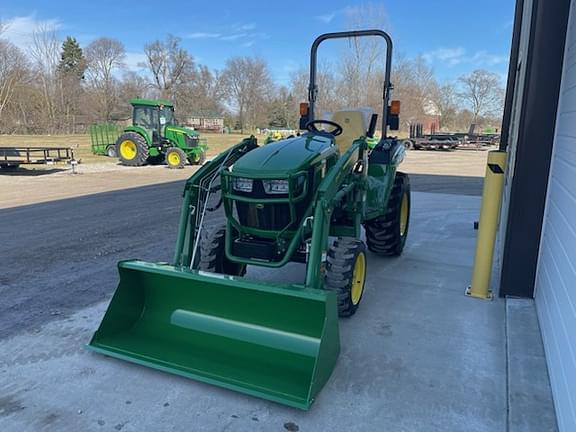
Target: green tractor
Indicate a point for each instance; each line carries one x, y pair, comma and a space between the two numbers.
155, 137
302, 199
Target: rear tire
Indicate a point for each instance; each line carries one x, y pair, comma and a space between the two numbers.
132, 149
175, 158
213, 255
346, 273
386, 235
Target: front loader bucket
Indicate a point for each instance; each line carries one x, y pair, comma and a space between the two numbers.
277, 342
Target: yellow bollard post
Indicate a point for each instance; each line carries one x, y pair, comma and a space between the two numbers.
489, 212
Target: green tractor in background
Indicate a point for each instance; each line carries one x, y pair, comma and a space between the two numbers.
155, 137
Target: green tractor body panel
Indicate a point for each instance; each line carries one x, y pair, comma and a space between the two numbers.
285, 157
282, 203
252, 342
186, 139
141, 131
151, 102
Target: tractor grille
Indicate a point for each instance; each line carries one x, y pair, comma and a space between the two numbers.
191, 141
272, 217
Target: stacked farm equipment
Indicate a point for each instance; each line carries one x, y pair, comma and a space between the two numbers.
302, 199
433, 141
154, 137
448, 140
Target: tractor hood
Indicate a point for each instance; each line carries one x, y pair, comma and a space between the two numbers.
181, 129
285, 157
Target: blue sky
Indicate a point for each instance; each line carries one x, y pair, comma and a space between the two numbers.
454, 36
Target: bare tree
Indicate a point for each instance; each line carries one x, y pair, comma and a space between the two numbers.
248, 87
13, 72
329, 98
483, 93
168, 63
446, 99
414, 86
45, 53
103, 57
362, 63
200, 92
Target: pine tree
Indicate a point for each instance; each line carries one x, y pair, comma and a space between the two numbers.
72, 61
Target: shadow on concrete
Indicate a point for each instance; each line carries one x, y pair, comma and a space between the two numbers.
60, 256
30, 172
446, 184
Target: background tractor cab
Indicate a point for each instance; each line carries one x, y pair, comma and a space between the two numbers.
155, 137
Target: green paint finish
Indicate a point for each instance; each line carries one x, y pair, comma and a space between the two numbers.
151, 102
147, 134
278, 342
102, 136
280, 159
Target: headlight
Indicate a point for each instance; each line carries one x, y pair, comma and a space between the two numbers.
242, 184
275, 186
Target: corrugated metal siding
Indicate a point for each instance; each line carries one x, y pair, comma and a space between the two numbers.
556, 276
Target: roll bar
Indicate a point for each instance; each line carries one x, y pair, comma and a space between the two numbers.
313, 88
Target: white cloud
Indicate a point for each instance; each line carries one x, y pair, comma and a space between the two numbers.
19, 30
202, 35
233, 37
245, 27
247, 44
451, 55
459, 55
485, 58
326, 18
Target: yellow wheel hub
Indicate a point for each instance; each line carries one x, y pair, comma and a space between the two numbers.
358, 278
404, 215
174, 158
128, 150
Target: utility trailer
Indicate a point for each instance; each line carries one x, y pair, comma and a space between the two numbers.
103, 138
434, 141
478, 140
13, 157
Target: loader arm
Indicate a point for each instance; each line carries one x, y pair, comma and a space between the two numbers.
195, 195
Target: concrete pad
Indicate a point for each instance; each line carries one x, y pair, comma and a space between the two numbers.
417, 356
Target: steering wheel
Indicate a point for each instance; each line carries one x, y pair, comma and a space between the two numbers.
311, 127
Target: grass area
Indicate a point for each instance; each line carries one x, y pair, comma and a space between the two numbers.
81, 143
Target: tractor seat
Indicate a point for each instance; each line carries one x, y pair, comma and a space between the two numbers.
355, 123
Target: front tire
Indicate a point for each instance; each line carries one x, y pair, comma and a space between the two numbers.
175, 158
346, 273
132, 149
198, 159
213, 255
386, 235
